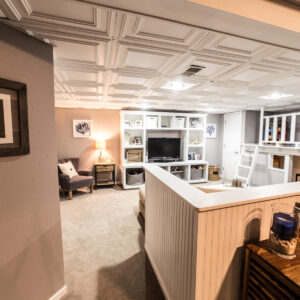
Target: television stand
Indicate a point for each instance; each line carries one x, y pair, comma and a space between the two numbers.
136, 127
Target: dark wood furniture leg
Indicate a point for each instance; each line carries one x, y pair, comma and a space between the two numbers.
70, 195
91, 189
114, 174
96, 177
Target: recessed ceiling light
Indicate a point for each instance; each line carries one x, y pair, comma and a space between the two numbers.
275, 96
144, 105
177, 85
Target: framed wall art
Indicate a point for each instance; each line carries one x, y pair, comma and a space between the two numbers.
211, 131
14, 135
82, 128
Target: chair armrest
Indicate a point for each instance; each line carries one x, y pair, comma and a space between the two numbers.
63, 179
85, 173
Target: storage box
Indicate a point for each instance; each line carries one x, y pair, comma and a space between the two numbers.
213, 173
178, 122
151, 122
135, 176
134, 155
197, 172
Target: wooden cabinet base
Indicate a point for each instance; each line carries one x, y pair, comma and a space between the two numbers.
268, 276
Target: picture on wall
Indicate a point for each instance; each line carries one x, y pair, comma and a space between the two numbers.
14, 136
82, 128
211, 131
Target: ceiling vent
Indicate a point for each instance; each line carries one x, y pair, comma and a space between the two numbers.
192, 70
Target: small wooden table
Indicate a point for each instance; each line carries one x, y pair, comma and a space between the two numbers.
105, 168
268, 276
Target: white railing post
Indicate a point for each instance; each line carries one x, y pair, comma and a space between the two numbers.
261, 126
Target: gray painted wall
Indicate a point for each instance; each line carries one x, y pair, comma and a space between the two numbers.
214, 147
263, 175
252, 127
31, 256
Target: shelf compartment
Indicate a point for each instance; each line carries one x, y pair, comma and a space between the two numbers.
276, 162
178, 122
133, 121
133, 137
135, 176
152, 121
195, 153
297, 129
271, 129
198, 172
196, 122
167, 168
288, 124
166, 122
180, 172
196, 138
134, 155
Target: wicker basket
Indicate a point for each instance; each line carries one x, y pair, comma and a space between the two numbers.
214, 173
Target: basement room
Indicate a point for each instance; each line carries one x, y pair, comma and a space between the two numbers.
149, 149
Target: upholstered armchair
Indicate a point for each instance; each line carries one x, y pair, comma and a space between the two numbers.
83, 179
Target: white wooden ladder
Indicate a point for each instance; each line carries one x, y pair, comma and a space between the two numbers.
247, 151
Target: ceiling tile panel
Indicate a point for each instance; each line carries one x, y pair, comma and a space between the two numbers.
66, 11
112, 59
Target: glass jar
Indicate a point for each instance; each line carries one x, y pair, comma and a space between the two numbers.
284, 230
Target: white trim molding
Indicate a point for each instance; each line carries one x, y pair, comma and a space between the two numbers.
59, 294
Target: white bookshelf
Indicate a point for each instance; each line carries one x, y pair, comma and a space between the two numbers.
190, 128
281, 131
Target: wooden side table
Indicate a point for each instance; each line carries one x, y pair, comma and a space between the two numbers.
268, 276
105, 168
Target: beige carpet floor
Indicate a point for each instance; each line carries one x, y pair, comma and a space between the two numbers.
103, 246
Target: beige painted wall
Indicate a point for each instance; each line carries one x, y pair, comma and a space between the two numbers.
284, 15
105, 123
31, 258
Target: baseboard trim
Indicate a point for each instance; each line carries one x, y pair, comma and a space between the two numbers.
59, 294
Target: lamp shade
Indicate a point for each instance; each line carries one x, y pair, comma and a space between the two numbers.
100, 145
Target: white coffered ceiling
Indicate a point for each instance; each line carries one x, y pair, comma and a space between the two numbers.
106, 58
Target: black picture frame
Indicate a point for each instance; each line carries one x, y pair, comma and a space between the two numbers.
298, 177
22, 148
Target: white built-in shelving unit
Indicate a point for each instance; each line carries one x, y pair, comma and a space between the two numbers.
281, 131
138, 126
280, 138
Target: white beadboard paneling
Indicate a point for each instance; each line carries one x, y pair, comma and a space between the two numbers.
172, 250
198, 253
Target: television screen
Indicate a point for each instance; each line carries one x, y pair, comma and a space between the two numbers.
163, 148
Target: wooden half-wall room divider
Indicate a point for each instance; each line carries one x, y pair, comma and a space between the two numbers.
195, 241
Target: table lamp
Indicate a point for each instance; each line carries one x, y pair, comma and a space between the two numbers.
101, 146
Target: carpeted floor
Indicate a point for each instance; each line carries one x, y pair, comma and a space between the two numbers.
103, 246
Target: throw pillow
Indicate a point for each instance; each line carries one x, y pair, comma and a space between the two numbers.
68, 169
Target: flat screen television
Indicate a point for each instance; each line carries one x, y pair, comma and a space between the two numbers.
163, 149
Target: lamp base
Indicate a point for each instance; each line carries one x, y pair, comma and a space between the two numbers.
101, 157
